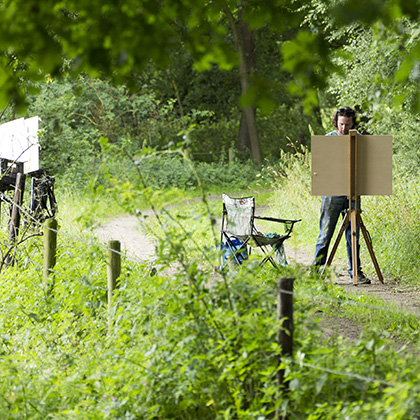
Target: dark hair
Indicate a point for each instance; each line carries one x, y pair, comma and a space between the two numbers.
345, 111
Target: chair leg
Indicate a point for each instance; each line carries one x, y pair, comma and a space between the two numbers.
269, 258
235, 252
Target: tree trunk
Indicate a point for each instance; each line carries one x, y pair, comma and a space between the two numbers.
243, 144
245, 45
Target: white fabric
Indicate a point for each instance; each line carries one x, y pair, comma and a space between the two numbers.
239, 215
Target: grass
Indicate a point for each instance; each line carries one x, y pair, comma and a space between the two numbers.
78, 210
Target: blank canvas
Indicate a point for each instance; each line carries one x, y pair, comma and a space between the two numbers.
330, 173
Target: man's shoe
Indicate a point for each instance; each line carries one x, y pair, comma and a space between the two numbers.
362, 279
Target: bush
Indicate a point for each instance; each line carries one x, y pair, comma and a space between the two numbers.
173, 169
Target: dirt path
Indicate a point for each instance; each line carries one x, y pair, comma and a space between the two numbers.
126, 229
140, 247
405, 299
390, 291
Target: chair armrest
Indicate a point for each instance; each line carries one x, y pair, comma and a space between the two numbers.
289, 224
272, 219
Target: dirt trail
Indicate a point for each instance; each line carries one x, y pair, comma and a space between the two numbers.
127, 230
390, 291
140, 246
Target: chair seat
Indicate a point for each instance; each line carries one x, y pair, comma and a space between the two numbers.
262, 240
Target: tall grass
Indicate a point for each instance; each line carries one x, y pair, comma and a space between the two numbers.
80, 210
394, 225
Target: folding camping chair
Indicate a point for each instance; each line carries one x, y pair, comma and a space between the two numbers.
239, 234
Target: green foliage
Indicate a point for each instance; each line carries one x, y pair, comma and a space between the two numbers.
181, 341
384, 214
306, 57
388, 103
175, 171
127, 38
119, 39
77, 113
286, 129
292, 195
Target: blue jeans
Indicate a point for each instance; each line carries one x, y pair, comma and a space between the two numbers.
331, 207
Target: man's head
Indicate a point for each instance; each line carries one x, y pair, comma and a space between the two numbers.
344, 120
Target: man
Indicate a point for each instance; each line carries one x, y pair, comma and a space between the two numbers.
344, 119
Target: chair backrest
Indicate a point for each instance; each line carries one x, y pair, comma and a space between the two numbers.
239, 214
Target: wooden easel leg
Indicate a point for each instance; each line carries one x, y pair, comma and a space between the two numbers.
370, 248
336, 242
353, 222
15, 216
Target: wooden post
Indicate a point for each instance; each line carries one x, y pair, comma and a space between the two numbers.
231, 154
50, 249
15, 216
113, 269
285, 335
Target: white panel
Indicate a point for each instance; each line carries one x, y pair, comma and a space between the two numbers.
19, 142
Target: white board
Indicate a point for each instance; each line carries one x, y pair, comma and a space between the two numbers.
19, 142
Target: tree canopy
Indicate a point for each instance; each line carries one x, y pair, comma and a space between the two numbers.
114, 38
316, 42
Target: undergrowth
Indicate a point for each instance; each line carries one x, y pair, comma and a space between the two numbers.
180, 341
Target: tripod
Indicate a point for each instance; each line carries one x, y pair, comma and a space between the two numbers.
347, 219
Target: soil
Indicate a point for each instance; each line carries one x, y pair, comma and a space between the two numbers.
140, 247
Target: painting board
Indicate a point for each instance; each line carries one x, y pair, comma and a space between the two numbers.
19, 142
330, 173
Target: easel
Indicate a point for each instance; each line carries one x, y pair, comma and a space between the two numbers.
19, 155
353, 217
12, 178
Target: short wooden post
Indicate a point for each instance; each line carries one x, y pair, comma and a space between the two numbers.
50, 249
231, 154
113, 270
285, 335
